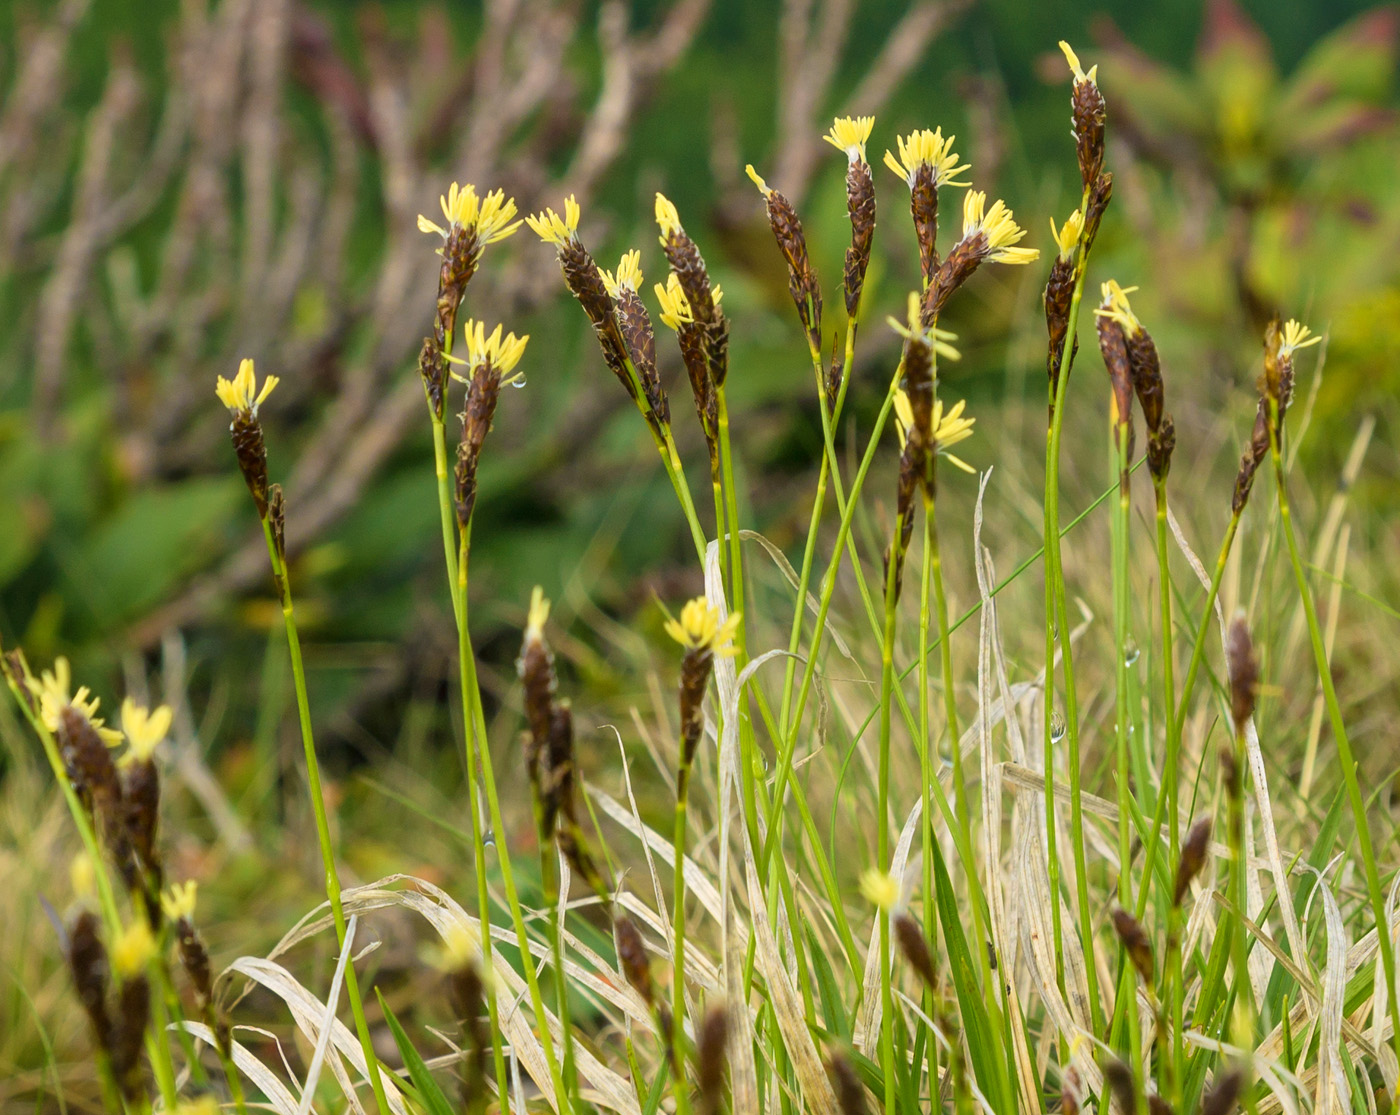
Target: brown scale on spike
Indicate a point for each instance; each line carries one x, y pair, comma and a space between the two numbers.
1136, 943
1193, 858
1252, 458
957, 267
432, 368
90, 767
1059, 292
483, 393
1089, 113
914, 945
251, 452
141, 814
1224, 1095
688, 265
710, 1057
87, 963
128, 1034
923, 205
1100, 194
194, 958
1147, 377
911, 468
1113, 346
637, 332
860, 205
850, 1093
717, 348
632, 958
1244, 671
696, 666
1160, 445
691, 337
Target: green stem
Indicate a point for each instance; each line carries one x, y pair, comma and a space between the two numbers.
1345, 756
678, 928
930, 906
318, 809
457, 589
882, 828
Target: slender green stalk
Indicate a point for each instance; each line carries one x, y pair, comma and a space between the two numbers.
1177, 720
1118, 435
1173, 1050
476, 717
882, 854
930, 905
1056, 618
318, 809
456, 561
1345, 756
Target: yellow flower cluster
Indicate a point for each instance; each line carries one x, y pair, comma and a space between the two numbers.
998, 225
240, 393
926, 148
628, 274
849, 134
1116, 307
699, 628
550, 227
145, 728
1067, 235
502, 352
492, 216
675, 307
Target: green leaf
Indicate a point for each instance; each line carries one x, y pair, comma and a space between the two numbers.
429, 1094
983, 1041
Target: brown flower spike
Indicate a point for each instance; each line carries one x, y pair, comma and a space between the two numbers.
849, 134
792, 242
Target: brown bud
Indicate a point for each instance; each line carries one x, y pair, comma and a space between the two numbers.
1059, 292
1119, 1078
483, 394
860, 204
248, 446
710, 1058
194, 958
834, 376
692, 339
923, 205
1193, 858
432, 367
468, 996
717, 348
850, 1092
277, 519
141, 814
1100, 194
1088, 114
802, 281
16, 672
90, 767
688, 265
1147, 377
1253, 457
1135, 943
1160, 446
696, 666
956, 268
632, 958
87, 962
585, 282
1114, 349
128, 1034
1243, 667
1156, 1105
635, 323
914, 945
1224, 1095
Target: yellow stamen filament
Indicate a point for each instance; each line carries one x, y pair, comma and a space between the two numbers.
238, 393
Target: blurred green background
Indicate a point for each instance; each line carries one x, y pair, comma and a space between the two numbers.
182, 184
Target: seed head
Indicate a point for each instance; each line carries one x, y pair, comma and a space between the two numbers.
88, 965
792, 242
912, 942
632, 957
1193, 858
1136, 943
850, 1093
1088, 113
710, 1045
1224, 1095
1244, 671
